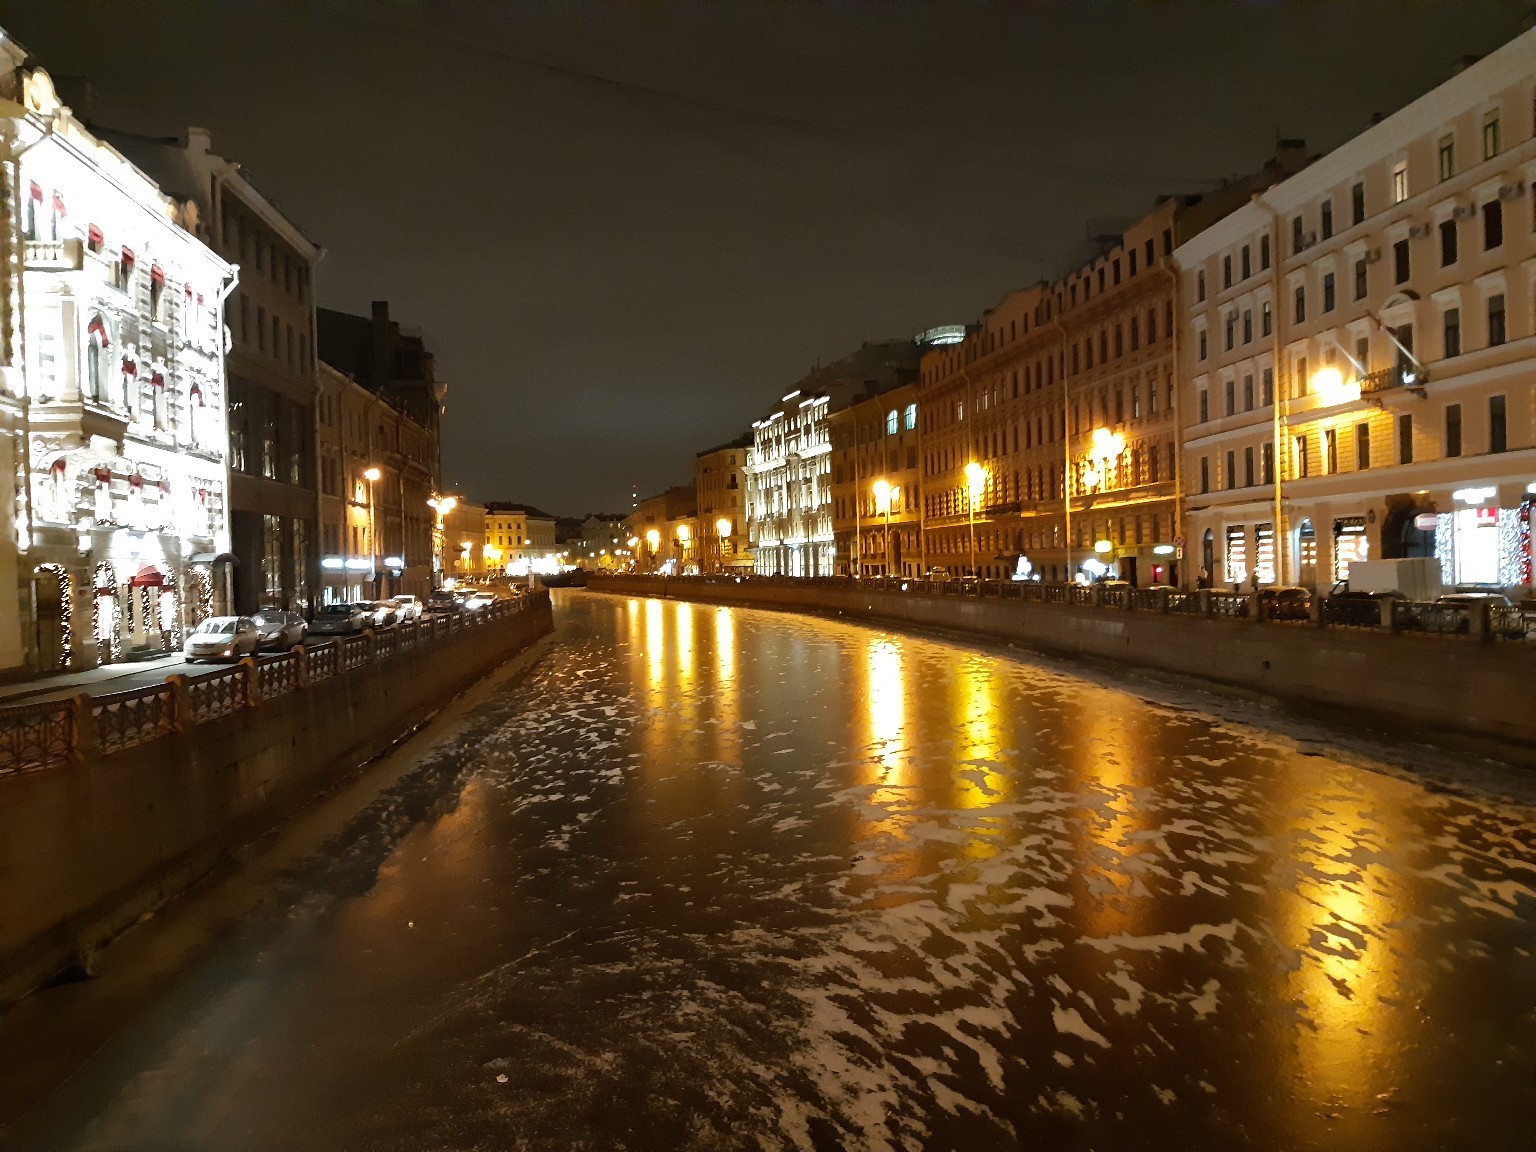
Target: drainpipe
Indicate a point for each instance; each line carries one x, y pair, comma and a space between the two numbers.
1281, 536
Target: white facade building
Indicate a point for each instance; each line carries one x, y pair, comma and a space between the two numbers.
1385, 298
114, 383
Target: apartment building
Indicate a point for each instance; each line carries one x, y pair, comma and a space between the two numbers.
1369, 325
789, 498
876, 493
520, 539
719, 481
665, 529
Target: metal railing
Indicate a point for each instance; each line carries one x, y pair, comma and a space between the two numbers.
1440, 618
52, 734
36, 736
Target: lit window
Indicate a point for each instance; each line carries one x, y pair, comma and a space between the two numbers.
1400, 182
911, 417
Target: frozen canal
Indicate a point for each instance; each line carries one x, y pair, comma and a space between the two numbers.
712, 879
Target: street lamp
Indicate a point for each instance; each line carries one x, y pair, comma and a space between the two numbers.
372, 476
684, 534
653, 539
884, 493
975, 484
723, 530
441, 505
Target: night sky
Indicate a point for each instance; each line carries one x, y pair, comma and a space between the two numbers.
626, 229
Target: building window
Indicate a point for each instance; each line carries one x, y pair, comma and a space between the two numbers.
272, 557
1267, 463
1296, 234
1248, 393
1247, 261
1453, 430
892, 422
1268, 387
1231, 397
1266, 320
1231, 470
1362, 446
1357, 203
1330, 450
1360, 279
1248, 467
1498, 440
1405, 438
1447, 243
1264, 251
1400, 267
911, 417
1226, 270
1202, 345
1495, 320
261, 328
1301, 457
1205, 404
1205, 473
1400, 182
1453, 332
1231, 329
1327, 218
1247, 325
1491, 137
1328, 293
1447, 153
1493, 225
1301, 304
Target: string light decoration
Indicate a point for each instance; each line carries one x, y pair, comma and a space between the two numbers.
66, 612
1525, 540
204, 593
106, 581
146, 611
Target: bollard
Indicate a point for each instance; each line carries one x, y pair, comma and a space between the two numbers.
177, 682
252, 683
83, 722
301, 664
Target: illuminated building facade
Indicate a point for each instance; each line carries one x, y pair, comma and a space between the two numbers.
789, 494
467, 554
666, 531
1393, 282
522, 538
719, 481
876, 498
114, 378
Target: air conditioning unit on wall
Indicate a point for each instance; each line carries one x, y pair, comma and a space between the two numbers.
1372, 255
1418, 231
1512, 191
1464, 212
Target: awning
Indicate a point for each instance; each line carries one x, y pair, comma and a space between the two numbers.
94, 237
156, 274
127, 255
98, 329
37, 191
157, 379
147, 577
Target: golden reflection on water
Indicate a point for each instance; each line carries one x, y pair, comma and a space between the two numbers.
727, 693
1340, 919
885, 694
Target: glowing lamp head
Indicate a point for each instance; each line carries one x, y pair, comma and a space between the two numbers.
371, 474
975, 478
723, 527
653, 538
1328, 384
1103, 546
882, 490
632, 541
683, 533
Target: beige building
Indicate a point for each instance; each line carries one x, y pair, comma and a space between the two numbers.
520, 539
719, 481
876, 497
376, 525
1393, 282
466, 554
665, 529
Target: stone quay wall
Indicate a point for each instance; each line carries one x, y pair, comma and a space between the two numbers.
111, 805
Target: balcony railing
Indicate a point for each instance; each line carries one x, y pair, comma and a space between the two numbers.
53, 255
1407, 376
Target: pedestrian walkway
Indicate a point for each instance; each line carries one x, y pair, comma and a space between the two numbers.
95, 681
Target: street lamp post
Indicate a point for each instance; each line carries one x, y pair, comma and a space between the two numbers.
975, 483
441, 505
884, 494
723, 531
653, 539
372, 476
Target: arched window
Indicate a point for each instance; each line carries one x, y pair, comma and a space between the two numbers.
97, 348
157, 391
196, 416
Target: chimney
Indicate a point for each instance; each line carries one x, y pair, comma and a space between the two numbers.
381, 363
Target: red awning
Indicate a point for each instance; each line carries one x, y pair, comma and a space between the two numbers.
37, 191
129, 367
58, 204
102, 475
157, 379
147, 577
97, 329
127, 254
156, 275
189, 291
93, 236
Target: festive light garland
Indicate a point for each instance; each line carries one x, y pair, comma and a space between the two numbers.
105, 571
66, 613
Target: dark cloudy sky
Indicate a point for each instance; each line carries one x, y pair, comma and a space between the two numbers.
627, 228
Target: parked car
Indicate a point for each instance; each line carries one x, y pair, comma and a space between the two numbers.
1285, 603
383, 613
444, 603
938, 575
222, 638
279, 630
407, 607
340, 620
478, 599
1470, 597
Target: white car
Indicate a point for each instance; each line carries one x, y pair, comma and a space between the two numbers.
479, 599
407, 608
222, 638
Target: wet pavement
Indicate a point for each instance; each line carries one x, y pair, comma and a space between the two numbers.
712, 878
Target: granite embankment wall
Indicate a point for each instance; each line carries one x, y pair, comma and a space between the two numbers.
125, 801
1446, 685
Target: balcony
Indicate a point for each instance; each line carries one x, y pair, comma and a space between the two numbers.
1408, 377
54, 255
